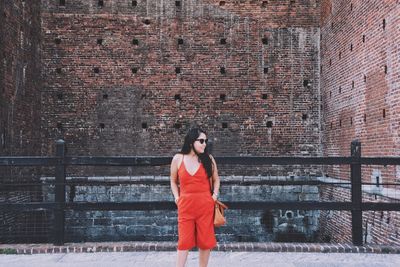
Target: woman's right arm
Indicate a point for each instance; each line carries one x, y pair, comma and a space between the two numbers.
174, 177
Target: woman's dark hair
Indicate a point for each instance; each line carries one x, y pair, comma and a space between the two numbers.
190, 138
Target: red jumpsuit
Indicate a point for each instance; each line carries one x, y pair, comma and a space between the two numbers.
195, 210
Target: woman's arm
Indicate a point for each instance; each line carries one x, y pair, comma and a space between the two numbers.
215, 179
174, 176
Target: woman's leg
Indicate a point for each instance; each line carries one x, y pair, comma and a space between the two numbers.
204, 255
181, 258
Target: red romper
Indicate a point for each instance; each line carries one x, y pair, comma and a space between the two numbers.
195, 210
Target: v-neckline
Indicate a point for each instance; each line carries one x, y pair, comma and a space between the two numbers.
184, 165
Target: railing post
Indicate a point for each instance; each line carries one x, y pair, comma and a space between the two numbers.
356, 194
59, 215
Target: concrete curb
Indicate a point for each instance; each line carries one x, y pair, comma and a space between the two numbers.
171, 246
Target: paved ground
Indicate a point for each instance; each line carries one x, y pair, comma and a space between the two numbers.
218, 259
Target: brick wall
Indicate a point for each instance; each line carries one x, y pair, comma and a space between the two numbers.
20, 86
161, 225
248, 73
360, 95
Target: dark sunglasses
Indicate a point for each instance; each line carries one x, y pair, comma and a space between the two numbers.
201, 140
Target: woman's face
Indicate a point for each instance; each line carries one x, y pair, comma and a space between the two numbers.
200, 144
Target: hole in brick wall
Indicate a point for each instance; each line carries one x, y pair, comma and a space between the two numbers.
99, 41
340, 55
222, 3
222, 41
351, 120
320, 69
340, 89
352, 85
143, 96
306, 83
265, 70
177, 125
222, 97
264, 4
384, 24
264, 40
96, 70
224, 125
222, 70
177, 3
59, 126
62, 2
384, 113
269, 124
304, 117
177, 97
144, 125
135, 41
351, 47
330, 62
180, 41
102, 125
331, 125
146, 21
330, 93
264, 96
385, 69
177, 70
100, 3
363, 38
351, 7
60, 96
105, 96
134, 3
57, 41
365, 78
340, 123
365, 117
134, 70
58, 70
332, 24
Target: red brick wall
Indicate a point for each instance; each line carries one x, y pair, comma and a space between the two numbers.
20, 107
20, 82
81, 101
360, 95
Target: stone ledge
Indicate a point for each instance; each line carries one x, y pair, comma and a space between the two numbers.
171, 246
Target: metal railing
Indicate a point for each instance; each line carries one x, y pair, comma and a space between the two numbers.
61, 161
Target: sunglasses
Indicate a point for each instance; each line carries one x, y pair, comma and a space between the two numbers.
202, 141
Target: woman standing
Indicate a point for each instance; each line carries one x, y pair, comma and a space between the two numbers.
191, 170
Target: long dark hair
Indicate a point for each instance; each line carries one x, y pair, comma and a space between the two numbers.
190, 138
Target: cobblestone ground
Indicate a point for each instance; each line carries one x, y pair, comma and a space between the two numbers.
218, 259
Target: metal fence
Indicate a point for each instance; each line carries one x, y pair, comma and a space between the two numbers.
61, 161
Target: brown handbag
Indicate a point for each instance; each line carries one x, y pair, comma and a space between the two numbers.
219, 218
219, 207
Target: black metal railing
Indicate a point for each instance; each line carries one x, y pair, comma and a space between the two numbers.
61, 161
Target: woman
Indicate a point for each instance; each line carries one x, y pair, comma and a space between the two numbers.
191, 169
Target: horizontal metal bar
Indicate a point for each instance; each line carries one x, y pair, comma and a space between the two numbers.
28, 206
160, 161
381, 206
119, 161
380, 161
169, 205
284, 160
28, 161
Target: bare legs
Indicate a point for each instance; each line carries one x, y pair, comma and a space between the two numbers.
204, 255
181, 259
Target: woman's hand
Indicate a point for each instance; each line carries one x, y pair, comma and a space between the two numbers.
215, 197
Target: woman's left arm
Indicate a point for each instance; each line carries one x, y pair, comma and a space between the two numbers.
215, 179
